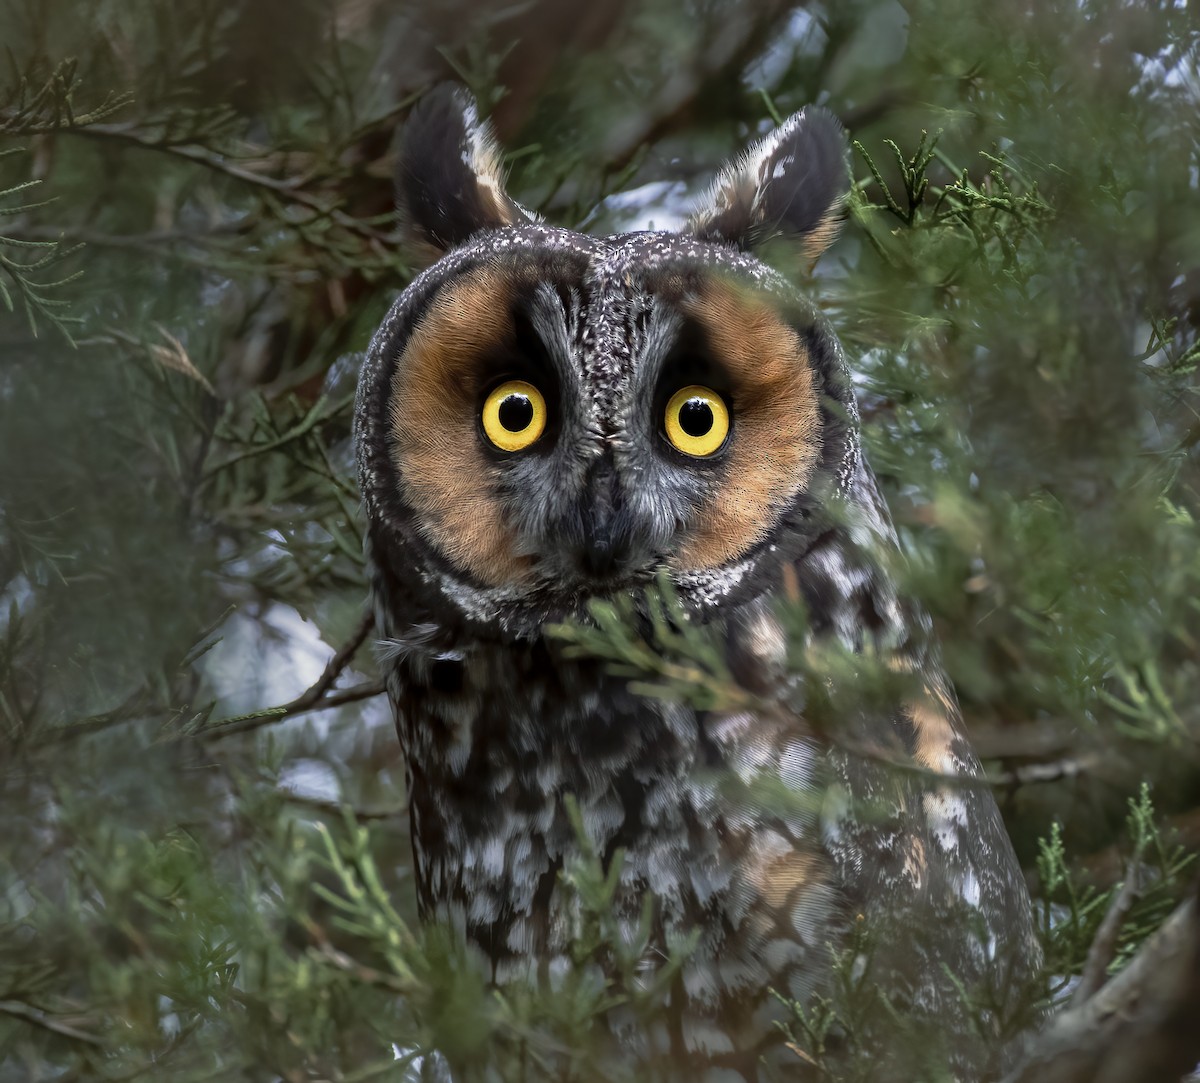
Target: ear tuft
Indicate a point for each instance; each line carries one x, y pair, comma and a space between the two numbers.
449, 182
792, 183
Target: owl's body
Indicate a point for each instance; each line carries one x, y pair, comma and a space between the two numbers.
515, 465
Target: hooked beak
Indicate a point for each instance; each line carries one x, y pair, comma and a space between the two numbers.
605, 544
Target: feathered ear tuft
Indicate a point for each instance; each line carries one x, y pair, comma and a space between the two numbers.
449, 182
792, 183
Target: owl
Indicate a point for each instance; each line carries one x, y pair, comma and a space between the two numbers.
547, 419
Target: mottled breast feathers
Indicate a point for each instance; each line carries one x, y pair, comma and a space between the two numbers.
546, 419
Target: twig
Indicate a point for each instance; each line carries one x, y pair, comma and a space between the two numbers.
1105, 868
154, 239
138, 704
39, 1018
312, 699
1040, 741
335, 808
366, 975
312, 419
1069, 767
1104, 946
290, 188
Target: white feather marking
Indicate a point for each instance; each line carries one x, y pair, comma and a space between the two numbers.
796, 765
970, 889
946, 815
702, 1037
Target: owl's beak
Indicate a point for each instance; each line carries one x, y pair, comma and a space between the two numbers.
601, 557
605, 542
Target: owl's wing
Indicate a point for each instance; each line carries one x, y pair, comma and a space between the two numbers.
918, 858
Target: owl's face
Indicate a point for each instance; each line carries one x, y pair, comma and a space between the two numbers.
548, 417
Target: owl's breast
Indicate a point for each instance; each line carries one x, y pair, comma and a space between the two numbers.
526, 765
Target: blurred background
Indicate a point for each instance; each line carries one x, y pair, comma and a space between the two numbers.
203, 850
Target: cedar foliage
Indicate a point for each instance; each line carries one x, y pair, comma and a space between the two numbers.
203, 861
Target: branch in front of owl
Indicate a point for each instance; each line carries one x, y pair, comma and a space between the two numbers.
601, 937
443, 983
664, 655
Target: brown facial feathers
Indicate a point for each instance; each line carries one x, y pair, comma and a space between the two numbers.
776, 426
447, 477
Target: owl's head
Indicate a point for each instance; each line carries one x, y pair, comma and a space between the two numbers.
546, 417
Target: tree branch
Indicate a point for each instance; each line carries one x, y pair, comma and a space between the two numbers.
1104, 945
45, 1021
312, 699
289, 188
1141, 1025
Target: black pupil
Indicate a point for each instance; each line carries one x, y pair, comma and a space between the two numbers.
516, 412
695, 417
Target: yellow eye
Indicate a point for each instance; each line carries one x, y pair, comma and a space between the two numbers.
697, 421
514, 415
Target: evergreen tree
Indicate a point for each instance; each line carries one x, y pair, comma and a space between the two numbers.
203, 849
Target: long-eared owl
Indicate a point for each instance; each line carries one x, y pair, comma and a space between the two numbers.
546, 419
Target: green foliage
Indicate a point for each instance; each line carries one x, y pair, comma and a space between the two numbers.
824, 1032
199, 197
650, 642
25, 285
965, 224
163, 949
1071, 910
40, 97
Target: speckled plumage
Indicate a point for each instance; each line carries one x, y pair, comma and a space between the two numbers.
499, 726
